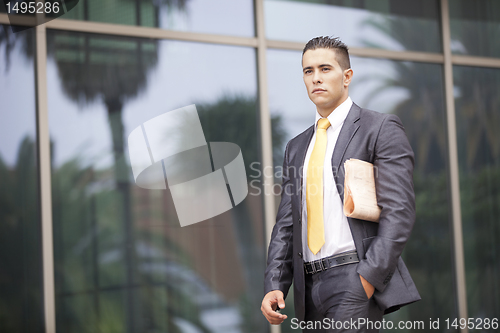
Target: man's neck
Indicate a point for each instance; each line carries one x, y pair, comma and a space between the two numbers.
326, 112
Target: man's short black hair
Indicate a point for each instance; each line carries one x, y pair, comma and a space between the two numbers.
334, 43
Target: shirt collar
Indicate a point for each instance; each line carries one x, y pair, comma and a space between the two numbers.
337, 117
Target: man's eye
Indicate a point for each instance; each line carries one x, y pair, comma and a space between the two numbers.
307, 72
325, 69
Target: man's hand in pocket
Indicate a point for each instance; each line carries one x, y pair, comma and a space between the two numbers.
369, 289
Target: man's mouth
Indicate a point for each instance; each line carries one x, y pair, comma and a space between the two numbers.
318, 90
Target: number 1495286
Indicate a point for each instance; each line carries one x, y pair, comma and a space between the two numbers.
33, 7
472, 323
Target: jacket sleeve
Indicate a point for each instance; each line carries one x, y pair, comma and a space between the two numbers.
279, 271
393, 169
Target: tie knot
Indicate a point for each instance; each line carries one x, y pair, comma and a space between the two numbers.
323, 123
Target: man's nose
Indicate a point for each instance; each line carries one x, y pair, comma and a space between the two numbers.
317, 77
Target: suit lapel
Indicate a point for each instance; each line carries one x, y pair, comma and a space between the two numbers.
302, 149
300, 159
346, 134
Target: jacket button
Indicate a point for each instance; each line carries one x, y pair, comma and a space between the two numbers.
300, 220
300, 254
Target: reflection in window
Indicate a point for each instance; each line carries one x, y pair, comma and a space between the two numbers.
386, 24
478, 126
21, 289
123, 263
474, 26
225, 17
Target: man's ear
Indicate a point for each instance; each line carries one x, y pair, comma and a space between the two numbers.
348, 73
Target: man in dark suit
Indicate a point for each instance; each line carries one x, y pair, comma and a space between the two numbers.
346, 272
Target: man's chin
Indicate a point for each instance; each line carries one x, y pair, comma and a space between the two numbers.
321, 104
320, 101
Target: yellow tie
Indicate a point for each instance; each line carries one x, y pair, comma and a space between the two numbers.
314, 189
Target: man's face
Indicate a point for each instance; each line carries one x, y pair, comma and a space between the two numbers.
327, 84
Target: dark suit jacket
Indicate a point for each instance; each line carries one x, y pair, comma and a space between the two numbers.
379, 139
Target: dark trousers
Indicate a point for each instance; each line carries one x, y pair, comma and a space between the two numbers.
335, 301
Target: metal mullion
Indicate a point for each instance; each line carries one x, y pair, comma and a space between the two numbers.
45, 179
147, 32
135, 31
461, 289
397, 55
465, 60
18, 20
265, 130
265, 121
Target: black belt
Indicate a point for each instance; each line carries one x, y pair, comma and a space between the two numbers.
332, 261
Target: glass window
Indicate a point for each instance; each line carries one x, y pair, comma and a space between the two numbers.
477, 106
415, 92
385, 24
21, 289
225, 17
475, 27
123, 262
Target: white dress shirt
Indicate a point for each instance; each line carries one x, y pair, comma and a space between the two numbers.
338, 237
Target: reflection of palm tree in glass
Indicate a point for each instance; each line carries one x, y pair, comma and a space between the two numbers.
409, 34
424, 86
477, 97
10, 40
114, 70
418, 111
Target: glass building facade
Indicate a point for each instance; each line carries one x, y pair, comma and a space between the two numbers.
84, 249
